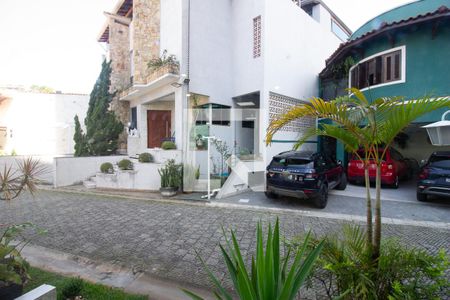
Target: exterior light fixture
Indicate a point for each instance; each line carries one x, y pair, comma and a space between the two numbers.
439, 132
249, 103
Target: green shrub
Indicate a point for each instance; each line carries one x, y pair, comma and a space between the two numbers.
125, 164
107, 168
346, 270
272, 275
168, 145
72, 288
145, 158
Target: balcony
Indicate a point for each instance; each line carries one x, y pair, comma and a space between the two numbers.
164, 75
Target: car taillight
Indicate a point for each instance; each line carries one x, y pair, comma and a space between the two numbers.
349, 164
390, 166
424, 174
311, 174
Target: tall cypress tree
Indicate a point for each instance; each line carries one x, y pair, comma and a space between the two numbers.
102, 126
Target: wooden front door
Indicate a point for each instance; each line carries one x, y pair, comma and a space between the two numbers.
158, 127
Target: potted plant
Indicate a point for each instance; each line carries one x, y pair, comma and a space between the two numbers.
125, 164
168, 145
107, 168
171, 177
199, 142
166, 60
146, 158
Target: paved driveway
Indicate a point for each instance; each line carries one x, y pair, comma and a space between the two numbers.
160, 238
396, 203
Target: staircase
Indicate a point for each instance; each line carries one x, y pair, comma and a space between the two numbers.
245, 175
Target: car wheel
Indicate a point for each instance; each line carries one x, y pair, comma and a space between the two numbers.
422, 197
395, 184
343, 184
271, 195
321, 200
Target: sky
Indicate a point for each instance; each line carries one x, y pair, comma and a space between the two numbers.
54, 42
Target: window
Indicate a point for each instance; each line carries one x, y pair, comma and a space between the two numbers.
257, 37
220, 114
384, 68
248, 124
338, 31
133, 121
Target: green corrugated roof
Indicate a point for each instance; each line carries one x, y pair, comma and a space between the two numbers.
400, 13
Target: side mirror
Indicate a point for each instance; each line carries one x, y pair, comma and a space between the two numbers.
339, 162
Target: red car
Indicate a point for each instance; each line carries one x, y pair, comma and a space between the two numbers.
393, 168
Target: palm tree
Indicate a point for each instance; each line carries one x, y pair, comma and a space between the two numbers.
360, 124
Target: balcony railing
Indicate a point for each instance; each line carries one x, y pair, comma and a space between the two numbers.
166, 69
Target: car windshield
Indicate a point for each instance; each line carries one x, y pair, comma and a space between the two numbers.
292, 162
440, 161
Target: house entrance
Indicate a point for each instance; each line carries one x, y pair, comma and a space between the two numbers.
158, 127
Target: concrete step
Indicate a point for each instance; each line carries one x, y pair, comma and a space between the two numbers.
89, 184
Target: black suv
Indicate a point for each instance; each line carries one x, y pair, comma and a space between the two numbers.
304, 175
434, 177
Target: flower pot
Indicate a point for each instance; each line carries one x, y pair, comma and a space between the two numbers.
168, 191
10, 291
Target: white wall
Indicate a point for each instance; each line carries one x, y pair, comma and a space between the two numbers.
73, 170
247, 71
144, 177
210, 50
170, 32
41, 124
296, 47
46, 163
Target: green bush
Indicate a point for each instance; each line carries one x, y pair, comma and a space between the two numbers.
107, 168
72, 288
272, 275
346, 270
168, 145
145, 158
125, 164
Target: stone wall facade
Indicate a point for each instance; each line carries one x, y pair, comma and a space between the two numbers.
146, 27
121, 72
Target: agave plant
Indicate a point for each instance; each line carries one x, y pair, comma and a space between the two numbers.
26, 177
271, 276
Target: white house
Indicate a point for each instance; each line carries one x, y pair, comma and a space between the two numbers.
241, 63
38, 123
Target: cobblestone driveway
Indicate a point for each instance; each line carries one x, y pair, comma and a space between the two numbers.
160, 238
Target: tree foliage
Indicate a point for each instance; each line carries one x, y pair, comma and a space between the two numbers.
102, 126
362, 124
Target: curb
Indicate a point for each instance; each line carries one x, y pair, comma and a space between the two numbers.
108, 274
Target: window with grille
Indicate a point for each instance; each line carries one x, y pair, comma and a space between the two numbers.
257, 37
379, 69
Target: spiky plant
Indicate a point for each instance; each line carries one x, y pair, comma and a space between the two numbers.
271, 276
26, 177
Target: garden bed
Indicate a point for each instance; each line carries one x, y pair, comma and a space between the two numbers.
88, 291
